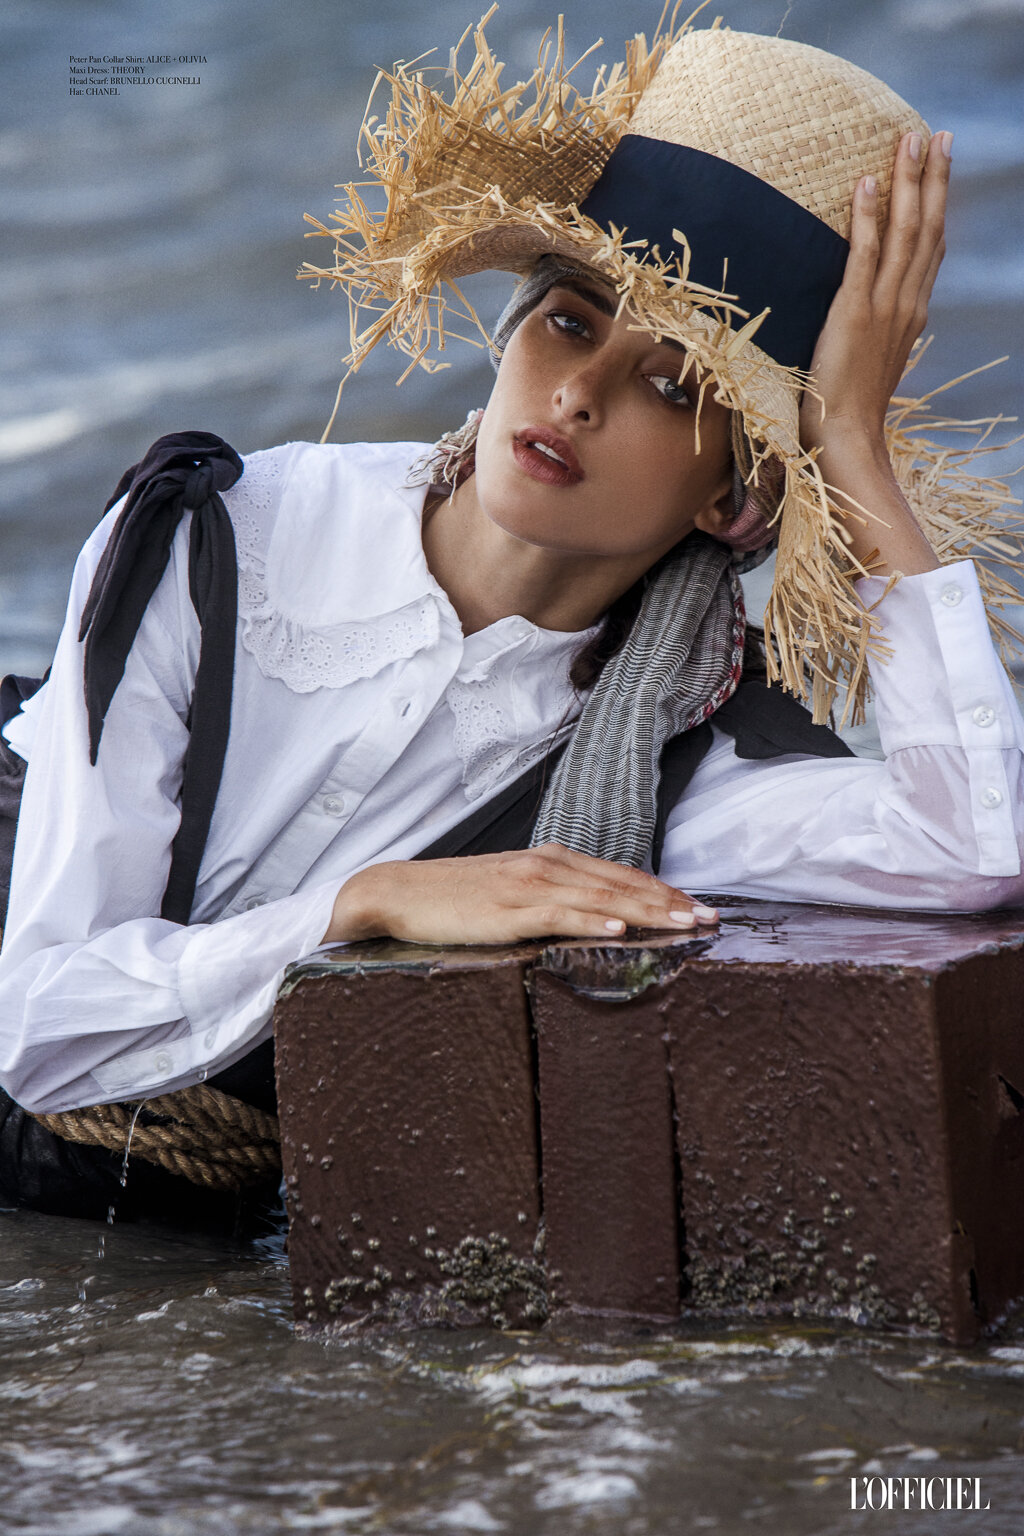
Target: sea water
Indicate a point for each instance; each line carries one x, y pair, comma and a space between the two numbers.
160, 1388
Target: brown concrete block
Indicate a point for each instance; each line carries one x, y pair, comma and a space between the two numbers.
610, 1188
983, 1068
408, 1127
846, 1091
849, 1136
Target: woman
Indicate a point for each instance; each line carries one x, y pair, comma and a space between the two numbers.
403, 655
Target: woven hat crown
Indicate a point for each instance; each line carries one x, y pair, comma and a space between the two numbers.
807, 123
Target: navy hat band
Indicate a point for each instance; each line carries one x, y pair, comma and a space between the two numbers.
780, 256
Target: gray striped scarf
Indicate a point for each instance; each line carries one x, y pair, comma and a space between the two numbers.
682, 659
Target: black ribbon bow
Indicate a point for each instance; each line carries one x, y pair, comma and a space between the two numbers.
182, 472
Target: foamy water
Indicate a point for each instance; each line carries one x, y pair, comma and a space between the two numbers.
160, 1388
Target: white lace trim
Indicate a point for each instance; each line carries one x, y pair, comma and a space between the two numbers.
486, 737
302, 658
484, 734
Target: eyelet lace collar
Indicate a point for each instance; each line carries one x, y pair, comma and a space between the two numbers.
332, 581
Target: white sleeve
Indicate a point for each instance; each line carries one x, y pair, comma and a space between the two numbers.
99, 998
937, 826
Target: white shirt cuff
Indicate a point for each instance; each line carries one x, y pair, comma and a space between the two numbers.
229, 975
944, 685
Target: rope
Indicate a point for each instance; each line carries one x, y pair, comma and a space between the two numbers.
198, 1133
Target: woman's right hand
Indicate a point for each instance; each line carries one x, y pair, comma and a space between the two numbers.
498, 898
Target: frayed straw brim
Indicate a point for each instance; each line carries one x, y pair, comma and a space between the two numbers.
492, 177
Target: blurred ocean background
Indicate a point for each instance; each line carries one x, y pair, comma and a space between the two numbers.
150, 241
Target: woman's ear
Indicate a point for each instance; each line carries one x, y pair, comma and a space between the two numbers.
717, 513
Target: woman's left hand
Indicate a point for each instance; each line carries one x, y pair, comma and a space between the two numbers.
878, 313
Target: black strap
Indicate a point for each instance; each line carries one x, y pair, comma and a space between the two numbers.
14, 691
680, 759
765, 722
182, 472
505, 822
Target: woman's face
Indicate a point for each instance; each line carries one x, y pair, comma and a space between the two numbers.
588, 445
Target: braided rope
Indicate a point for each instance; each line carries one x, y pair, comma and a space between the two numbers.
198, 1133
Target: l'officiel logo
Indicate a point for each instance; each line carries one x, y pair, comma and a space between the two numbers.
916, 1493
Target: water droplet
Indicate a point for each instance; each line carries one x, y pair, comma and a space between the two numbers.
128, 1143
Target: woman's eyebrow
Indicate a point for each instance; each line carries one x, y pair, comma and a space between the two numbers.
607, 305
602, 301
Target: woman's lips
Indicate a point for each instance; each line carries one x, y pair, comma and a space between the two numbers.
546, 457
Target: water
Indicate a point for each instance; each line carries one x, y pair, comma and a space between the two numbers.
160, 1388
147, 284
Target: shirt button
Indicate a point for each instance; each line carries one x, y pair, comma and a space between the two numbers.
254, 902
951, 595
163, 1061
983, 715
991, 797
334, 805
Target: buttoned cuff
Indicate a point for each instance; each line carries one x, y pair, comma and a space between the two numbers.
945, 686
228, 978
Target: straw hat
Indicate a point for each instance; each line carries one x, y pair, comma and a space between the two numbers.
710, 179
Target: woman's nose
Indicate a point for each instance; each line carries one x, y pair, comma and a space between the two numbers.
580, 395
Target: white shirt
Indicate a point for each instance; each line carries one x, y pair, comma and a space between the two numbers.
365, 724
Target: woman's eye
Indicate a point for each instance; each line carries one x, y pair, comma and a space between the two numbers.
670, 389
568, 324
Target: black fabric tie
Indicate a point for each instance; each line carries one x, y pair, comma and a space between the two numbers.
182, 472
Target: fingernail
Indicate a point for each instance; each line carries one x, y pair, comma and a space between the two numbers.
914, 146
707, 913
684, 919
615, 925
870, 186
946, 145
